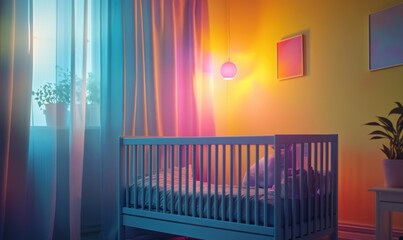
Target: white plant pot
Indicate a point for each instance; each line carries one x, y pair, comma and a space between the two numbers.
56, 114
393, 172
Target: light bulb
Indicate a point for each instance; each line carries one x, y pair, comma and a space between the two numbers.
228, 70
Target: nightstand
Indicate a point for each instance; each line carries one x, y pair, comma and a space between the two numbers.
388, 200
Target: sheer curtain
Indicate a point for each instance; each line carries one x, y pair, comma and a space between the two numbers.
160, 48
15, 97
62, 48
151, 58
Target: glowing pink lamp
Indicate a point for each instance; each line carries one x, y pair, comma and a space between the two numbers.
228, 70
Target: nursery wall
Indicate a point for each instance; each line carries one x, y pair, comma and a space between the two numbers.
337, 94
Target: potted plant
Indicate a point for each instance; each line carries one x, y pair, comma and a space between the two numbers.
53, 99
93, 101
393, 133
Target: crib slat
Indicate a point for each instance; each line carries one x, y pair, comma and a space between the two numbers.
157, 166
316, 211
150, 168
215, 182
327, 203
257, 185
301, 188
142, 161
247, 183
334, 174
284, 159
294, 207
126, 152
194, 180
209, 181
172, 156
332, 185
201, 181
223, 182
321, 204
231, 183
266, 157
310, 190
239, 182
165, 179
187, 180
180, 179
135, 201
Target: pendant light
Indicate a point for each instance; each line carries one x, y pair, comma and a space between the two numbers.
228, 70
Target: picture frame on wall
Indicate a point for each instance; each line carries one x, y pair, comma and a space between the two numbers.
386, 38
290, 57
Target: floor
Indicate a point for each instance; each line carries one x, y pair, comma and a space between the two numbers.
140, 235
149, 235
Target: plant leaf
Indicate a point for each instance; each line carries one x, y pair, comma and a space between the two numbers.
376, 137
377, 132
386, 150
396, 110
399, 125
372, 124
388, 125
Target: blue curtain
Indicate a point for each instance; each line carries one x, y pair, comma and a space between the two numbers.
111, 56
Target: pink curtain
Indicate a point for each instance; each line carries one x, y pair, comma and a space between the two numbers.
160, 48
171, 93
172, 90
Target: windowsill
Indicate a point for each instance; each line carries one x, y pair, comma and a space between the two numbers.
55, 127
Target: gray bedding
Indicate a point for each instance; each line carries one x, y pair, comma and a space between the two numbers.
200, 204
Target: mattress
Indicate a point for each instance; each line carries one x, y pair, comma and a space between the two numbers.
218, 204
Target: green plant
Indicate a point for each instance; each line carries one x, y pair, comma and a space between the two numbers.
93, 90
393, 133
60, 92
53, 93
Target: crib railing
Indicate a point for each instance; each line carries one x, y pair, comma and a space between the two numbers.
217, 178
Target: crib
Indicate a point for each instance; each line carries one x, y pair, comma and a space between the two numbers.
235, 187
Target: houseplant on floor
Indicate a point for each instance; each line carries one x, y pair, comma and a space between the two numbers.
393, 133
54, 99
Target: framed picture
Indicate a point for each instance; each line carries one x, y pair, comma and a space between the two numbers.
290, 57
386, 38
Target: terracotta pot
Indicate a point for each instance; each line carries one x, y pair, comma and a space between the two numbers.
393, 170
56, 114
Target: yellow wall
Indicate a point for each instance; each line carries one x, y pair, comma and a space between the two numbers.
337, 94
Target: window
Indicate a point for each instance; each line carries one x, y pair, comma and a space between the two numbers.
52, 59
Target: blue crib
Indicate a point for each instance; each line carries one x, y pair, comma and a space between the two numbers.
247, 187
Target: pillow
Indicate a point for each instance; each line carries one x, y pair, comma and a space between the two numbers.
270, 170
252, 174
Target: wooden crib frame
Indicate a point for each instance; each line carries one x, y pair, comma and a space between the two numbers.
219, 153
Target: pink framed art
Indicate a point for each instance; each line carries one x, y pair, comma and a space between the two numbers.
290, 57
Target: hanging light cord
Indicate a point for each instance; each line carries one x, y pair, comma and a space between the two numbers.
228, 29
